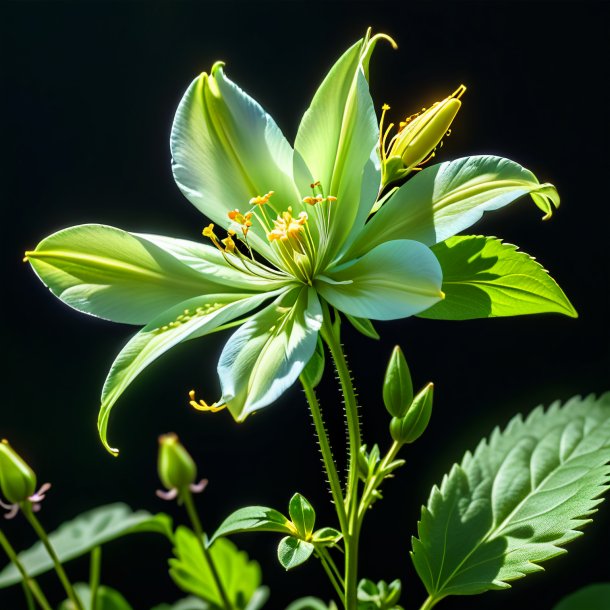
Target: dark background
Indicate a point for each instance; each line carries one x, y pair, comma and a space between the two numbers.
91, 91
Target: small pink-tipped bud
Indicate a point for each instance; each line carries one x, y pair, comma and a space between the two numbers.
175, 466
17, 479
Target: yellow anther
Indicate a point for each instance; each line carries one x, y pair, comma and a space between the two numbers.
313, 200
201, 405
314, 184
229, 244
262, 199
385, 107
286, 226
209, 232
331, 199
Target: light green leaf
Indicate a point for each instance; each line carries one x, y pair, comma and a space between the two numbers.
107, 599
311, 603
90, 529
516, 501
292, 552
187, 603
314, 369
484, 278
592, 597
303, 515
265, 356
119, 276
447, 198
190, 571
254, 518
364, 326
227, 149
187, 320
394, 280
326, 536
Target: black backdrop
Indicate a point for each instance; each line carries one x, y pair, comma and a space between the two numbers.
91, 91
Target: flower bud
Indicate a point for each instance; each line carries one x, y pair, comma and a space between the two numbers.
397, 385
175, 466
418, 137
409, 428
17, 479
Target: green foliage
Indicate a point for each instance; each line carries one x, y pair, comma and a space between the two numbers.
90, 529
363, 326
592, 597
303, 515
516, 501
107, 599
190, 571
412, 425
397, 385
257, 601
311, 603
254, 518
314, 369
378, 596
484, 278
326, 536
292, 552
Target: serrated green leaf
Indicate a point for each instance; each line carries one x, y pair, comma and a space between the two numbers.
254, 518
292, 552
107, 599
516, 501
303, 515
592, 597
363, 326
90, 529
191, 572
484, 278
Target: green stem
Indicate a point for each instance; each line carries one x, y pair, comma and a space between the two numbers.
59, 569
429, 603
331, 571
327, 455
94, 574
29, 584
196, 523
29, 600
351, 537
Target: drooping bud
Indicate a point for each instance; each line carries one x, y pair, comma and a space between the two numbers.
418, 137
410, 427
17, 479
397, 385
175, 466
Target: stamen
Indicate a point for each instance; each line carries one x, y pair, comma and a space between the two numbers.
313, 200
201, 405
262, 199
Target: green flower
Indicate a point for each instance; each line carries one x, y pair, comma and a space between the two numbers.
297, 236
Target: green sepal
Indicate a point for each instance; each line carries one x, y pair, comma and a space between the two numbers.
254, 519
397, 385
409, 428
292, 552
363, 326
175, 466
17, 479
303, 515
368, 460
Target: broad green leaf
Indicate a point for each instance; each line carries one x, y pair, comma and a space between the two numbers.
292, 552
592, 597
311, 603
303, 515
484, 278
191, 572
119, 276
364, 326
107, 599
254, 519
186, 320
447, 198
266, 355
394, 280
516, 501
90, 529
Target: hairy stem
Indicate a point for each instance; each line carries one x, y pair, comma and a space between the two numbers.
59, 569
196, 523
29, 584
327, 455
351, 537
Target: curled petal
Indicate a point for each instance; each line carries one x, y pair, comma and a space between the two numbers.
167, 495
197, 488
40, 495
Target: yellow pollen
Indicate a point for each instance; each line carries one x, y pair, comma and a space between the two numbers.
201, 405
229, 244
286, 226
313, 200
209, 231
331, 199
262, 199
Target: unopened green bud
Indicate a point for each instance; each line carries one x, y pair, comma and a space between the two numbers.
411, 426
17, 479
417, 137
397, 385
176, 467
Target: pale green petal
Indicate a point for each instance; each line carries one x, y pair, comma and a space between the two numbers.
394, 280
447, 198
335, 140
210, 261
226, 149
267, 354
188, 320
117, 275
